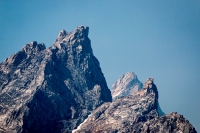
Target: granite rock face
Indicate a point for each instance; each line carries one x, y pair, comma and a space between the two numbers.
51, 89
170, 123
122, 112
137, 113
55, 89
127, 84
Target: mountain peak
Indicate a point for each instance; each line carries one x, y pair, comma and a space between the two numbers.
128, 76
74, 40
127, 84
53, 87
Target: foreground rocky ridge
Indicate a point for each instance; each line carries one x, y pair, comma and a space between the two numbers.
55, 89
51, 89
137, 113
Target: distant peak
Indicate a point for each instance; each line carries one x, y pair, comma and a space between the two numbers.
127, 84
127, 77
130, 74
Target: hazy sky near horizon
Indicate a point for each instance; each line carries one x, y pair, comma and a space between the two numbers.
159, 39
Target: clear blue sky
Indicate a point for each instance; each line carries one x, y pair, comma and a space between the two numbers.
159, 39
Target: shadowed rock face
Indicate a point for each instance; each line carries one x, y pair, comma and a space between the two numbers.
137, 113
51, 89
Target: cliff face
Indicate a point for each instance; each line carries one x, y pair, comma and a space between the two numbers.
51, 89
137, 113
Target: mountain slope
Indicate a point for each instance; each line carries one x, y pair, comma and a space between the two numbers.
128, 84
134, 113
51, 89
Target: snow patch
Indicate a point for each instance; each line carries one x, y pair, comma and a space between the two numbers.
79, 127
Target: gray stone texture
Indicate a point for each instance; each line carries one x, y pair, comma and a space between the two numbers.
137, 113
126, 85
51, 89
62, 89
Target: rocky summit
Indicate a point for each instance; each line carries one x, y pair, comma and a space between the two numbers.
61, 89
126, 85
51, 90
137, 113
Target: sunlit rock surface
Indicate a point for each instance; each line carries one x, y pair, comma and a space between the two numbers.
51, 89
126, 85
137, 113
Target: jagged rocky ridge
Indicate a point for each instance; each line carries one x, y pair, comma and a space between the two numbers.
128, 84
51, 89
137, 113
55, 89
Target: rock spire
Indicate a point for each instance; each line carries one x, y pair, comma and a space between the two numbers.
51, 89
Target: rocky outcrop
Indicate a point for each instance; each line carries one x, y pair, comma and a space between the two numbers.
112, 117
137, 113
51, 89
55, 89
127, 84
170, 123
